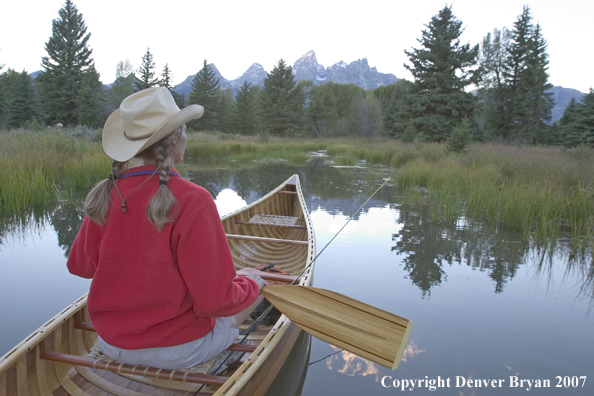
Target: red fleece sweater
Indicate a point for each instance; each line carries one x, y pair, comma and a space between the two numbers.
157, 289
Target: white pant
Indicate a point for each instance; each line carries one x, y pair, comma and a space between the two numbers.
178, 356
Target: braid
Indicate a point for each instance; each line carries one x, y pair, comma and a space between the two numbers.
99, 198
159, 208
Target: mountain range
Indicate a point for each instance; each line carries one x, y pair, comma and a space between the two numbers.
358, 72
305, 68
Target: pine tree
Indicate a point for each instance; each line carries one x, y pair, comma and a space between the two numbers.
3, 101
460, 138
245, 115
8, 81
89, 98
23, 108
146, 72
207, 93
442, 69
539, 100
529, 105
226, 111
282, 101
68, 57
165, 81
166, 78
576, 127
397, 114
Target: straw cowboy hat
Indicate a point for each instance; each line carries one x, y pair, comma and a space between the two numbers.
144, 118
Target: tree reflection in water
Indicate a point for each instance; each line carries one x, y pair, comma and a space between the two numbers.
428, 247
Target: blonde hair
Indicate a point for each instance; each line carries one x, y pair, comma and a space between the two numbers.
159, 209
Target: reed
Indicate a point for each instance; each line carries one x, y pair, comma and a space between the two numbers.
35, 167
542, 192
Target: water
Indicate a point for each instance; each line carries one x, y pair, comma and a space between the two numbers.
486, 304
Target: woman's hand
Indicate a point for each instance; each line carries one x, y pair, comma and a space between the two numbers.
253, 275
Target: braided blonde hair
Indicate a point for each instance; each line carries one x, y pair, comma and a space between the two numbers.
159, 209
99, 198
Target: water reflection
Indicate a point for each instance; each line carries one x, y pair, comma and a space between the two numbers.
427, 247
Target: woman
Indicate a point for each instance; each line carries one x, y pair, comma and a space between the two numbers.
164, 288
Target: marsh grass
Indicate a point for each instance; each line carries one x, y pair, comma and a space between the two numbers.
543, 192
37, 166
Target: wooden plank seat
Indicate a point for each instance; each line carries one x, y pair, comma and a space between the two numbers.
272, 221
262, 239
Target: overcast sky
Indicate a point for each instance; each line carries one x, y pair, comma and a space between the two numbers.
235, 34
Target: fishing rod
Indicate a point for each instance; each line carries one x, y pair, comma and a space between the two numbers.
257, 321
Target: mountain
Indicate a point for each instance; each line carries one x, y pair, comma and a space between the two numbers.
562, 97
306, 68
357, 72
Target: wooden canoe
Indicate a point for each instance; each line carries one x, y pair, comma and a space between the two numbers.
57, 359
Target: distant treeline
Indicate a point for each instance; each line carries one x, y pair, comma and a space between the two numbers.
509, 70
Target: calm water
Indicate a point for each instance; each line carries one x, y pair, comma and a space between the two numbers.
485, 303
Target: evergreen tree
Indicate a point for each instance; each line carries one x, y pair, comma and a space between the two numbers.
397, 115
526, 78
226, 111
89, 99
165, 81
245, 116
3, 101
207, 93
442, 69
146, 73
68, 57
539, 101
8, 81
576, 127
282, 101
460, 138
23, 108
166, 78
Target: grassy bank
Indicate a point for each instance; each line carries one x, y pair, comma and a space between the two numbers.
542, 192
37, 167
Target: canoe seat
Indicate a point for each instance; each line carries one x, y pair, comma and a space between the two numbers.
272, 220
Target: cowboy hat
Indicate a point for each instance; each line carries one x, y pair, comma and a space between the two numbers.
144, 118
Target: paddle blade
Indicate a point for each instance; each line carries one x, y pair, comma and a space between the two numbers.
360, 328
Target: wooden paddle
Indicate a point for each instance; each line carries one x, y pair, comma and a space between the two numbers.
352, 325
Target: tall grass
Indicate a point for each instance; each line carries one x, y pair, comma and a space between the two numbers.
35, 166
542, 192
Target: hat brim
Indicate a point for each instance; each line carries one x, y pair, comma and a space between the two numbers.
121, 149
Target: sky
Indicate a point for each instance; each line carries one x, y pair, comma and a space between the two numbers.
235, 34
